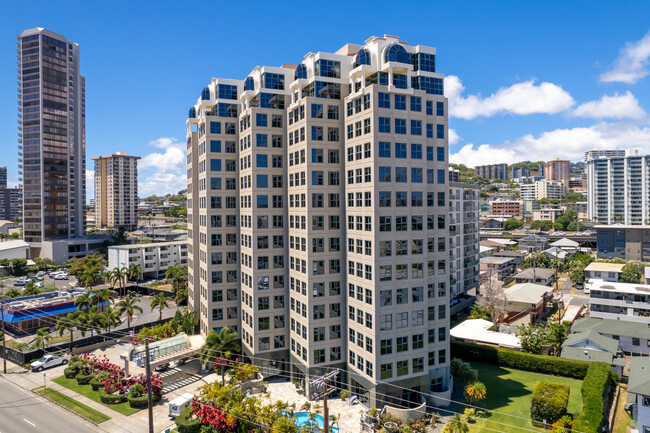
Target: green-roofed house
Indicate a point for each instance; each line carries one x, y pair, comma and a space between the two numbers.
591, 346
633, 337
639, 386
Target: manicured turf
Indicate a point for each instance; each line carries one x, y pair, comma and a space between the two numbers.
80, 408
509, 392
87, 391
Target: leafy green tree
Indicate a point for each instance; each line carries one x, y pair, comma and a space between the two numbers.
89, 278
531, 338
12, 293
576, 226
573, 197
462, 371
632, 272
30, 289
42, 338
18, 267
555, 334
218, 343
186, 320
128, 306
479, 312
456, 425
43, 263
513, 224
159, 301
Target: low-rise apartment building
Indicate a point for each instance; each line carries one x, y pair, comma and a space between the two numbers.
629, 242
610, 272
550, 189
502, 267
547, 213
620, 301
514, 208
154, 259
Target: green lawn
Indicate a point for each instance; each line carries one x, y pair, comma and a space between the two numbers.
80, 408
87, 391
509, 392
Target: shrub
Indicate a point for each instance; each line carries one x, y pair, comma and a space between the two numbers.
71, 372
141, 401
345, 394
111, 398
84, 379
98, 381
549, 403
463, 371
185, 425
595, 387
519, 360
136, 390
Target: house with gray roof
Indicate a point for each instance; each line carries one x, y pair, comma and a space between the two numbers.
639, 387
543, 276
591, 346
633, 337
533, 243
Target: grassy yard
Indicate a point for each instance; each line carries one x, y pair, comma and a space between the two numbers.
509, 392
80, 408
87, 391
621, 418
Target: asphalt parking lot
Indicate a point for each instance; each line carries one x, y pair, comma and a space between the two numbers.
8, 283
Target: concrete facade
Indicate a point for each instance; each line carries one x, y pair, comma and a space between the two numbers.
154, 259
629, 242
116, 191
550, 189
559, 170
492, 171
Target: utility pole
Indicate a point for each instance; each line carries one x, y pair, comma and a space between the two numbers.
326, 421
4, 345
148, 372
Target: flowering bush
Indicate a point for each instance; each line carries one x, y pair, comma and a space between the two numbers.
214, 416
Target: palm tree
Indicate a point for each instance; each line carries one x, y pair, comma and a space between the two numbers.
159, 301
30, 290
12, 293
84, 301
111, 318
93, 320
180, 296
68, 323
456, 425
89, 278
134, 273
217, 343
42, 338
105, 296
118, 276
475, 392
128, 306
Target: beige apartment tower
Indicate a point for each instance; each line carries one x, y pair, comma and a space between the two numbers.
116, 191
559, 170
318, 211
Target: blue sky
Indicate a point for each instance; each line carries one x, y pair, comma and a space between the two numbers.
526, 80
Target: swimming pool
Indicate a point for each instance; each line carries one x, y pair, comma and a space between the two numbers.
302, 419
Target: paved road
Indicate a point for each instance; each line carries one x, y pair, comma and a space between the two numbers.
22, 411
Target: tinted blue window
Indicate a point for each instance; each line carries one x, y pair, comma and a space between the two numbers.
383, 78
301, 71
262, 201
273, 81
384, 174
400, 174
416, 151
400, 126
215, 183
431, 85
271, 100
249, 83
441, 153
429, 108
400, 102
440, 108
396, 53
416, 127
400, 150
424, 62
430, 175
322, 89
215, 146
192, 113
227, 110
261, 119
215, 128
215, 164
429, 153
262, 181
384, 100
441, 176
384, 124
429, 130
416, 175
317, 111
262, 140
384, 149
400, 81
327, 68
363, 58
262, 161
227, 91
440, 129
416, 103
205, 94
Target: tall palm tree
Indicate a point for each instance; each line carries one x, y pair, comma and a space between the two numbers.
159, 301
218, 343
30, 290
84, 301
118, 275
128, 306
456, 425
111, 318
69, 323
12, 293
92, 320
90, 278
105, 296
180, 296
134, 273
42, 338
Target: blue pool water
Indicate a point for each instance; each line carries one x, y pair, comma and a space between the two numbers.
302, 418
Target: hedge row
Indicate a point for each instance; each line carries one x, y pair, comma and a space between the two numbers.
84, 379
520, 360
111, 398
185, 425
597, 382
549, 403
141, 401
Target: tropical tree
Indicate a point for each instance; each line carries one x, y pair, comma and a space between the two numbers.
110, 318
531, 338
105, 296
84, 301
632, 272
218, 343
119, 276
43, 263
93, 320
556, 333
42, 338
456, 425
186, 320
69, 323
475, 392
180, 296
89, 278
159, 301
12, 293
30, 290
128, 306
134, 273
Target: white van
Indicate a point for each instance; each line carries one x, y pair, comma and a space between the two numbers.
178, 405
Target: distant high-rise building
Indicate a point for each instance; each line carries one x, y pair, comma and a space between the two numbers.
51, 121
492, 171
516, 173
550, 189
464, 240
10, 208
454, 175
558, 169
116, 191
604, 153
3, 176
318, 204
618, 189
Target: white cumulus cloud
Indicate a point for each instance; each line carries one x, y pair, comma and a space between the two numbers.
613, 107
632, 64
163, 172
173, 157
522, 98
90, 185
454, 138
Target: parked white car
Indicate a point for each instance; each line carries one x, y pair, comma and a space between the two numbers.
48, 361
61, 276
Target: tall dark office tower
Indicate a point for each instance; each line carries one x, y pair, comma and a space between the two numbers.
3, 176
51, 131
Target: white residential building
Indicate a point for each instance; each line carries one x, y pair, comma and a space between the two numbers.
154, 258
463, 240
619, 189
322, 189
604, 271
550, 189
620, 301
116, 191
604, 153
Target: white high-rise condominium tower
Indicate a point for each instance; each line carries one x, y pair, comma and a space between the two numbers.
318, 209
51, 125
116, 191
619, 189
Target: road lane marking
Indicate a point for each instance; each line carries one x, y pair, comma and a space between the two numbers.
29, 422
